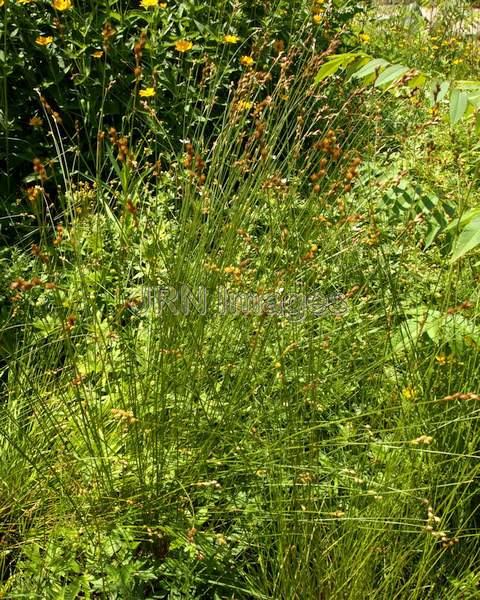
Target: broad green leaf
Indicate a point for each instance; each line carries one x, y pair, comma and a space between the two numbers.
328, 69
468, 240
458, 105
334, 64
465, 219
356, 65
471, 108
467, 85
370, 68
437, 91
418, 81
390, 75
474, 99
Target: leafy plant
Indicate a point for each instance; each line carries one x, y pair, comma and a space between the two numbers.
463, 96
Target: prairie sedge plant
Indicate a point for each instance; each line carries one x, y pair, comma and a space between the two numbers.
195, 454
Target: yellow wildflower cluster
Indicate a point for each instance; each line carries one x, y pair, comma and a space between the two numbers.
318, 11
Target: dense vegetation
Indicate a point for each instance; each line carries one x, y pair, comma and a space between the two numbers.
239, 267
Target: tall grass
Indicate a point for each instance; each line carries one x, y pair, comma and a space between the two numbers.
152, 452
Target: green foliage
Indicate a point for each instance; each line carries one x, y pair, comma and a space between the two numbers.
311, 430
90, 77
469, 238
463, 96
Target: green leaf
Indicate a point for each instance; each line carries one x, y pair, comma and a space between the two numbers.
330, 68
437, 91
391, 74
458, 105
370, 68
418, 81
465, 219
467, 85
474, 98
356, 65
468, 240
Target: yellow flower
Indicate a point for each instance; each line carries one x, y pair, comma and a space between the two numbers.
244, 105
317, 19
247, 61
364, 37
97, 54
409, 393
231, 39
443, 359
2, 2
25, 1
147, 93
62, 5
183, 45
149, 3
44, 40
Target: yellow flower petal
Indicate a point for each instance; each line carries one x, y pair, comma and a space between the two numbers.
44, 40
147, 92
62, 5
247, 61
183, 45
230, 39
